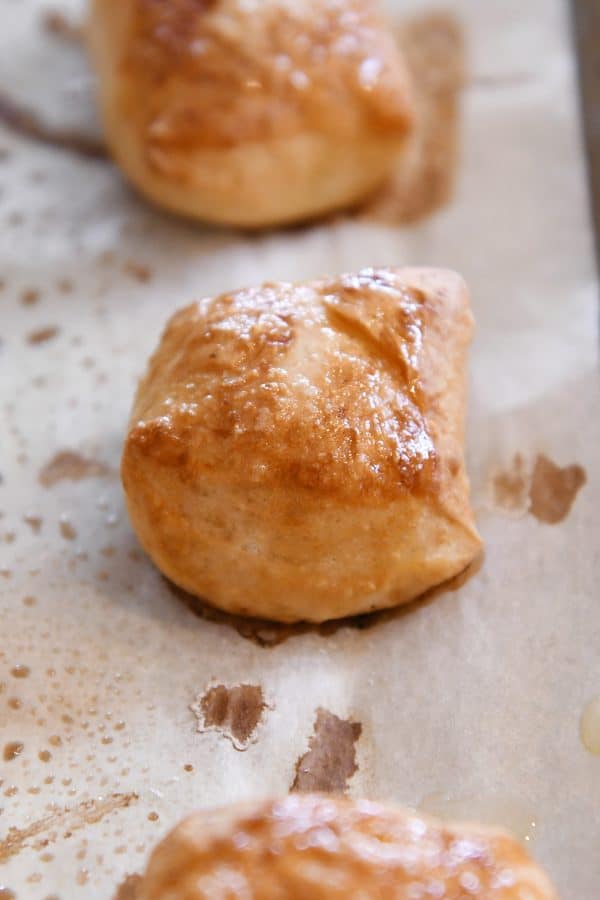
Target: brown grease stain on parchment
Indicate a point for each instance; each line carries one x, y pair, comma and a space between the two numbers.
61, 824
27, 124
547, 491
12, 750
34, 522
129, 889
42, 335
66, 529
68, 465
423, 181
330, 760
234, 712
553, 489
269, 634
510, 487
58, 25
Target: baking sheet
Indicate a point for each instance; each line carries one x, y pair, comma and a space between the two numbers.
468, 705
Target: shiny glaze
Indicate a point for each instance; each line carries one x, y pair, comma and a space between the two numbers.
316, 385
219, 73
295, 451
324, 848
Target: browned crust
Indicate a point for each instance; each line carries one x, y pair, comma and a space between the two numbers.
219, 394
296, 451
219, 74
251, 112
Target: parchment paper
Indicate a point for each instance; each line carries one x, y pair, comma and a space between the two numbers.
471, 702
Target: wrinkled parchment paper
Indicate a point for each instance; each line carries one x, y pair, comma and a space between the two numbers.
470, 704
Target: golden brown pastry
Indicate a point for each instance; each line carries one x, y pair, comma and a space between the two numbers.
250, 112
312, 847
295, 451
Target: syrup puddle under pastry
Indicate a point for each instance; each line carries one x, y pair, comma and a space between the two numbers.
326, 848
295, 451
268, 633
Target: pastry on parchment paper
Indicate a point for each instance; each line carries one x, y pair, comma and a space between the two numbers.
295, 451
325, 848
250, 112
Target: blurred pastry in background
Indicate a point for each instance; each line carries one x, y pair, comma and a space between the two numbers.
295, 451
254, 113
326, 848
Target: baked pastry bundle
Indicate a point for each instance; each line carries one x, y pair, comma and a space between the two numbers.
325, 848
295, 451
250, 112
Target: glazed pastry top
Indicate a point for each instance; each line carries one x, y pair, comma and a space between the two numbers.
204, 74
327, 848
317, 384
